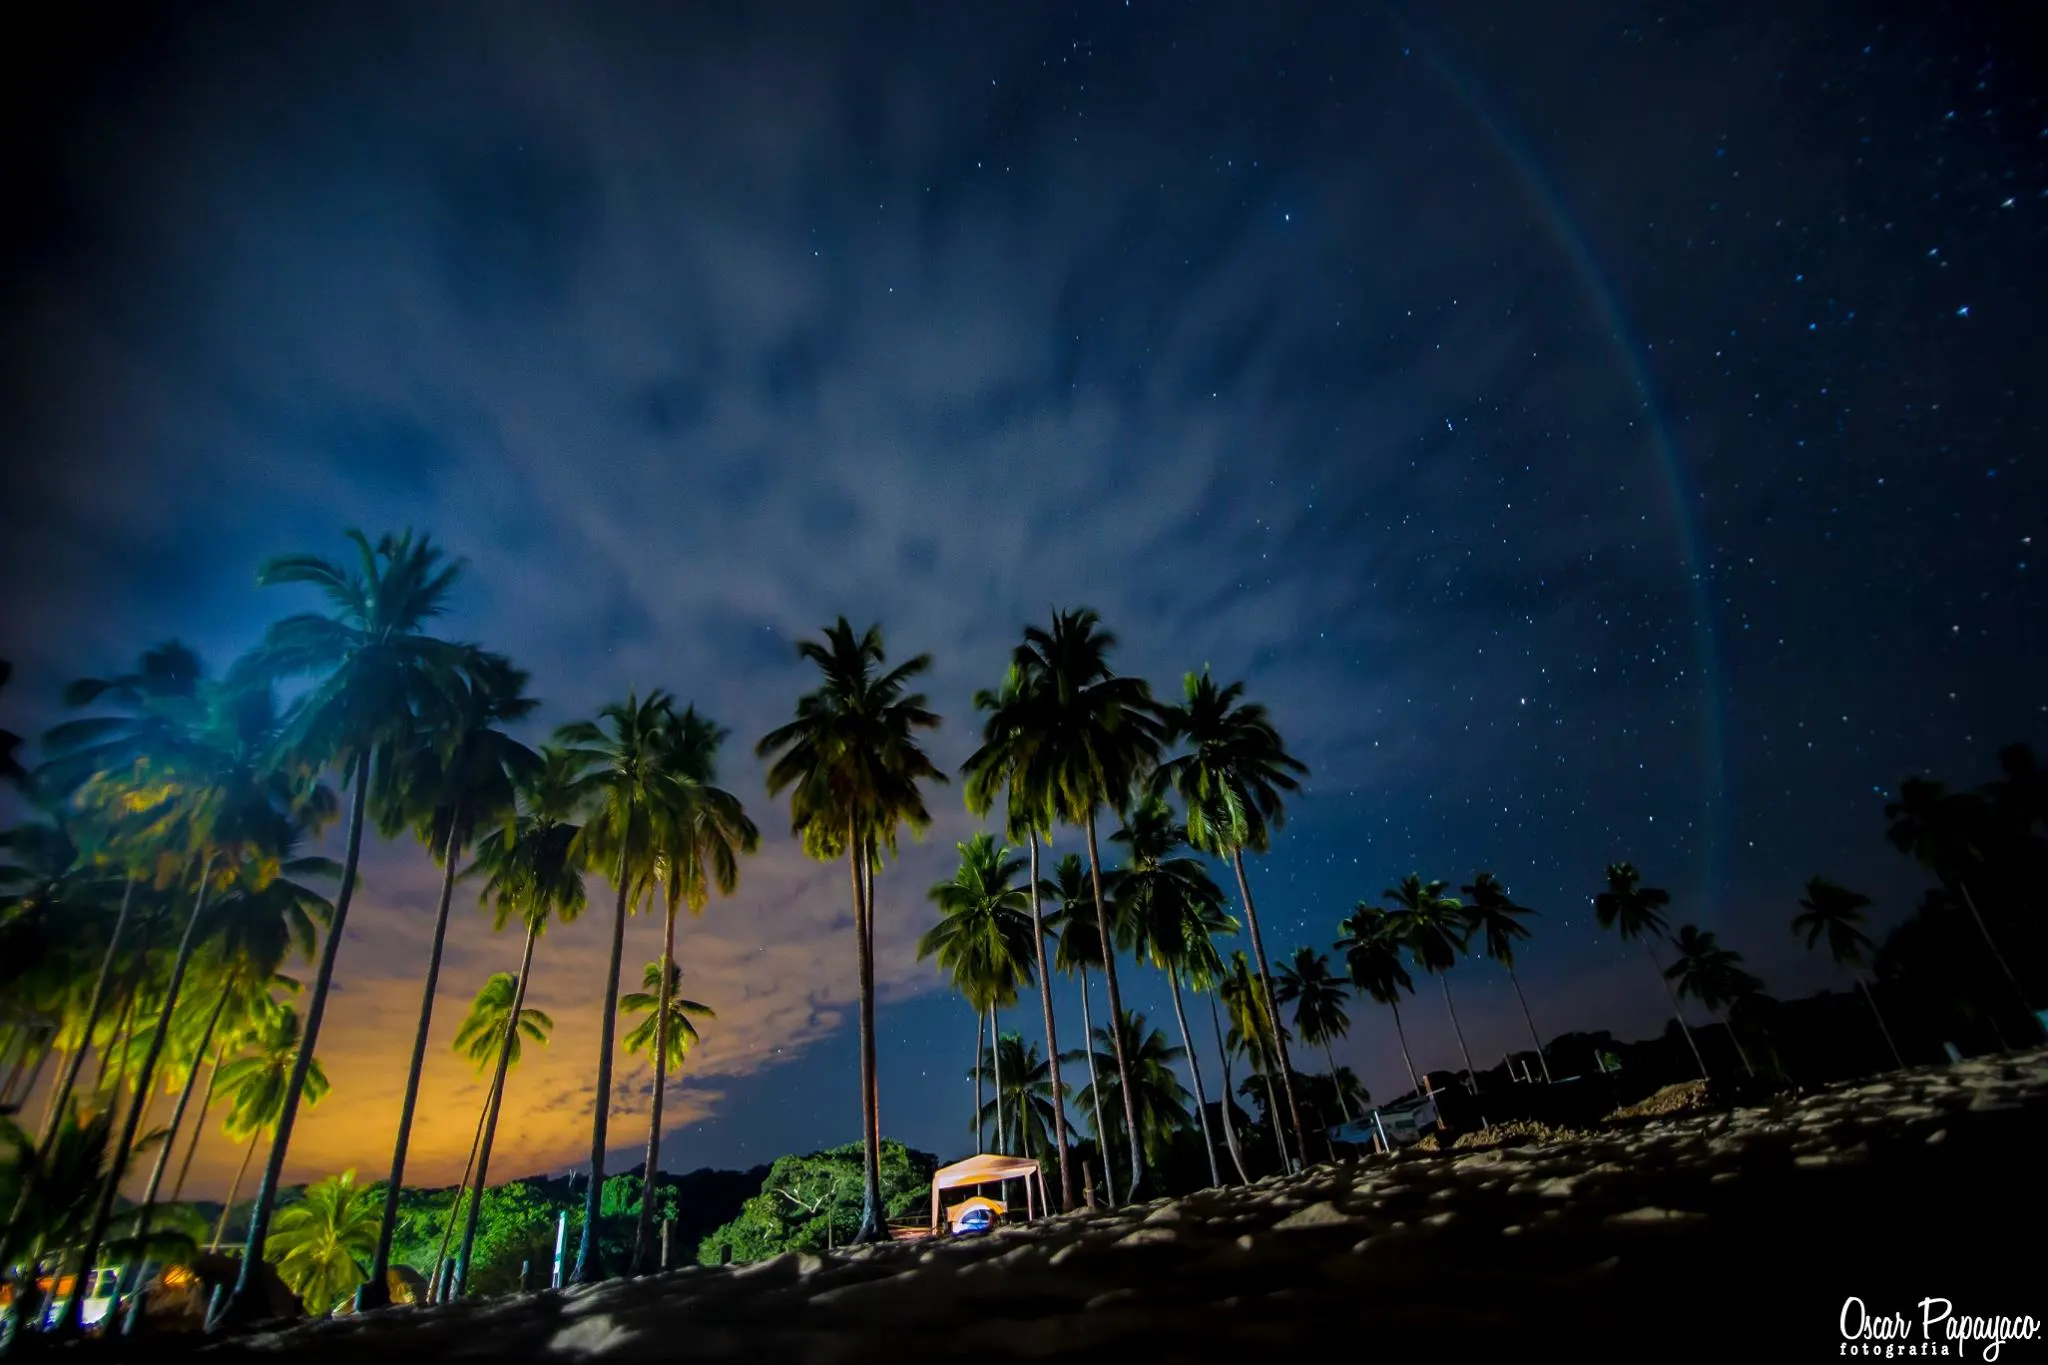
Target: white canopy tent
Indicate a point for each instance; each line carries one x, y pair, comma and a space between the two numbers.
990, 1168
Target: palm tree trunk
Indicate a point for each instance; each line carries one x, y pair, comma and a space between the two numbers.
1330, 1061
27, 1073
589, 1255
139, 1272
1116, 1013
1676, 1013
220, 1229
1402, 1034
871, 1227
996, 1066
1530, 1020
1878, 1014
1052, 1042
1251, 918
980, 1124
375, 1292
1471, 1073
1195, 1072
1229, 1122
1264, 1066
1984, 929
198, 1124
68, 1077
1736, 1039
494, 1102
1095, 1095
71, 1321
245, 1304
476, 1142
643, 1240
114, 1054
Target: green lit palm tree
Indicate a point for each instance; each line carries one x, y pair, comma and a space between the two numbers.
983, 943
256, 1086
1318, 998
1370, 943
851, 763
1836, 913
1166, 902
1251, 1036
1433, 928
1159, 1099
994, 770
321, 1244
376, 666
457, 774
1233, 779
1077, 948
701, 831
1636, 912
1497, 922
1714, 976
1096, 738
627, 779
533, 872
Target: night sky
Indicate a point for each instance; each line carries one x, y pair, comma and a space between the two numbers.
1595, 432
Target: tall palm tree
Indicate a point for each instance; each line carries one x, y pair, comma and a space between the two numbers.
1232, 779
983, 942
1836, 913
1370, 943
1096, 738
851, 763
700, 833
1497, 921
1201, 963
1164, 904
1714, 976
1635, 911
376, 665
1026, 1095
322, 1242
1318, 998
1160, 1101
533, 870
1433, 928
626, 778
991, 770
1078, 946
456, 774
1243, 994
257, 1085
1945, 832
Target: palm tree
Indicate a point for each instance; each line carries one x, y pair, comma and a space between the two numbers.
1160, 1101
1636, 912
1202, 964
1026, 1094
1370, 943
1096, 738
1251, 1023
1944, 832
1232, 779
1837, 912
533, 870
1078, 946
321, 1242
1433, 928
257, 1085
1318, 998
376, 666
1713, 975
1164, 905
992, 770
701, 831
983, 941
626, 778
457, 773
1497, 920
851, 763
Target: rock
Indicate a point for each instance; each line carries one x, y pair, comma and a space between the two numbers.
1318, 1215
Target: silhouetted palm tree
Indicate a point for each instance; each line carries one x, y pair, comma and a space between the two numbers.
1318, 999
851, 764
1714, 976
1635, 912
1370, 945
1231, 780
1497, 920
983, 942
1159, 1099
1078, 946
1434, 929
1836, 913
1025, 1096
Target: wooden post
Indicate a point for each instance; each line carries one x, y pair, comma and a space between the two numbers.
666, 1225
